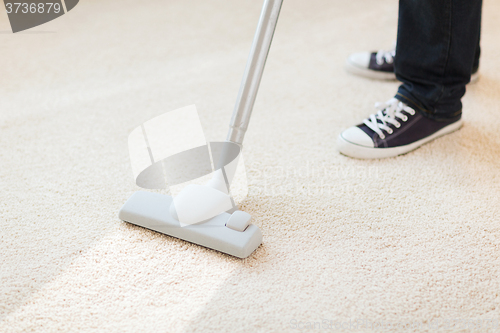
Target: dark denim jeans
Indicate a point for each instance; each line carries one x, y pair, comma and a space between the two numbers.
437, 49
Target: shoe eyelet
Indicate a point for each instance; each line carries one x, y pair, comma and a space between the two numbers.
405, 118
390, 131
382, 136
398, 125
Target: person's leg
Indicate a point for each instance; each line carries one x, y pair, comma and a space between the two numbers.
477, 54
437, 48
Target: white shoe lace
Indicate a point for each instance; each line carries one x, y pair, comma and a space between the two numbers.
388, 56
388, 113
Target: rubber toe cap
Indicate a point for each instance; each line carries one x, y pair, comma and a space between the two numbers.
361, 59
357, 136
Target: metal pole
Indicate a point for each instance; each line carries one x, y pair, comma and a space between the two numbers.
253, 71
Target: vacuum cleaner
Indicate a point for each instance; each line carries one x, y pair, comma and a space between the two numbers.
206, 214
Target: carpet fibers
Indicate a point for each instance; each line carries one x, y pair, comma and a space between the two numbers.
410, 243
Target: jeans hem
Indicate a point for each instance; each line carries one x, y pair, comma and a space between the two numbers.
425, 112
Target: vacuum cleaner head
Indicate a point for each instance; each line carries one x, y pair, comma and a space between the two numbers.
203, 214
228, 233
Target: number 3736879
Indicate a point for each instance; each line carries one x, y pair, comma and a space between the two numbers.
25, 8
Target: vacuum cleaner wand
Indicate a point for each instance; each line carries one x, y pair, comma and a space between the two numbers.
201, 214
253, 71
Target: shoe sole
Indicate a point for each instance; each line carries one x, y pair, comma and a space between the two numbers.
384, 76
353, 150
474, 77
369, 73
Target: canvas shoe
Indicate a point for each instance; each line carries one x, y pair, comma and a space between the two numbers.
380, 65
394, 130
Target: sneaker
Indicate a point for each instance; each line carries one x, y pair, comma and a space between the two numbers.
380, 65
394, 130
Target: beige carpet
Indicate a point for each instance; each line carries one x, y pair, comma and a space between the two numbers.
409, 239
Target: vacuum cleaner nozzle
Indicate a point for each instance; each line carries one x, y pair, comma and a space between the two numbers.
228, 233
